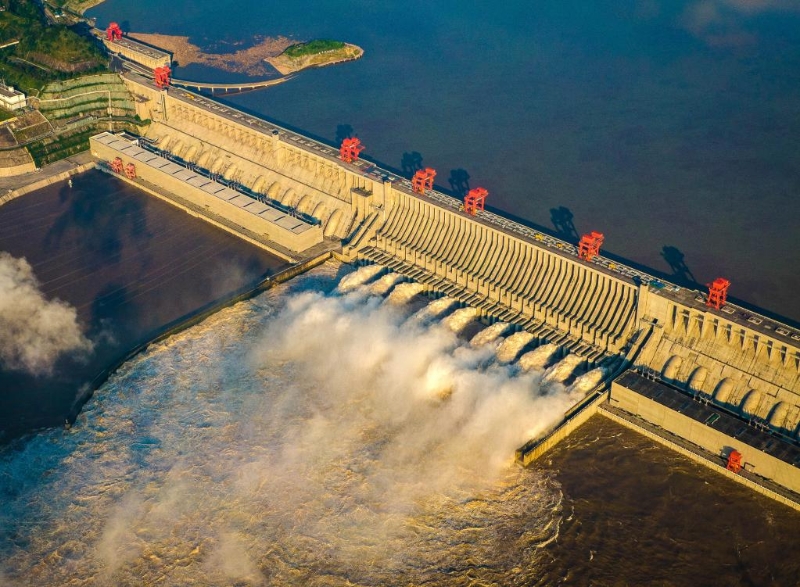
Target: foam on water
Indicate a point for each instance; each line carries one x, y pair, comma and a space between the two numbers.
490, 334
513, 345
299, 438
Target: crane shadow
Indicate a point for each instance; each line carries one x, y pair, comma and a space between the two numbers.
564, 222
459, 182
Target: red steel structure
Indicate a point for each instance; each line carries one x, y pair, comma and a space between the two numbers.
475, 200
734, 461
717, 292
116, 165
423, 180
113, 32
162, 75
350, 150
589, 245
130, 171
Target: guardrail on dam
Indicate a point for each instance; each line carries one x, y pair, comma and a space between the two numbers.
605, 312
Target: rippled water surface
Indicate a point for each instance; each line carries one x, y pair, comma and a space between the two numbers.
301, 438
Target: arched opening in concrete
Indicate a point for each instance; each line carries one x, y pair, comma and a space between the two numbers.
320, 211
288, 198
785, 417
274, 191
216, 167
258, 185
231, 171
203, 159
306, 204
191, 153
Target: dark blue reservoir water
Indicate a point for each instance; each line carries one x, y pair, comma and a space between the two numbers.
672, 127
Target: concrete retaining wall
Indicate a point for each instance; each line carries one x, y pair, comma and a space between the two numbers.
535, 449
706, 437
702, 460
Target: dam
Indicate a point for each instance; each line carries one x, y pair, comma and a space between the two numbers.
296, 197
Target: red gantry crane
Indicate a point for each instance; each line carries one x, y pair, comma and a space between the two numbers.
350, 150
589, 245
162, 76
475, 200
717, 293
423, 180
113, 32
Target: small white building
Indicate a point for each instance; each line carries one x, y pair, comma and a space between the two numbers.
12, 99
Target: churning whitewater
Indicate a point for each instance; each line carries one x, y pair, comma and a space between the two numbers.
312, 436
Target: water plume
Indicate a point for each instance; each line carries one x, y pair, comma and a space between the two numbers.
404, 293
512, 346
490, 334
538, 357
34, 331
433, 310
294, 439
359, 277
460, 319
383, 285
562, 370
588, 381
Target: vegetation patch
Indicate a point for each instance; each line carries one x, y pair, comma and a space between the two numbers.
313, 47
43, 51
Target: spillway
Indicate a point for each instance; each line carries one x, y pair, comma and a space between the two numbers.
539, 357
359, 277
384, 284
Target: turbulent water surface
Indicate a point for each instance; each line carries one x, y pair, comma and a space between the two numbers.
300, 438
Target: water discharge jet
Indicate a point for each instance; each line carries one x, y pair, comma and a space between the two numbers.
490, 334
404, 293
460, 319
538, 358
512, 346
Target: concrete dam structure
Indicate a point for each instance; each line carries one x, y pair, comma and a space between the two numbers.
604, 313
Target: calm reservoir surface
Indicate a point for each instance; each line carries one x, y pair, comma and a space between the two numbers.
661, 124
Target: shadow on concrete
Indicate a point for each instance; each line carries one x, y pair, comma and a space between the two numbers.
459, 182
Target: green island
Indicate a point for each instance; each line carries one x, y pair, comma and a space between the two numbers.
316, 53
